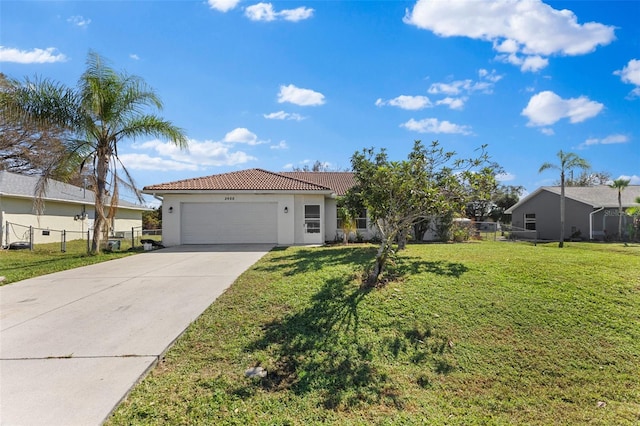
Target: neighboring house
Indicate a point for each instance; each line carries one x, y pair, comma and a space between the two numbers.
66, 207
591, 213
253, 206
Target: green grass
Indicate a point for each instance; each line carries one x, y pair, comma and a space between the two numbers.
16, 265
482, 333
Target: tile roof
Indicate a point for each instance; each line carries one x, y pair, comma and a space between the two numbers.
339, 182
243, 180
24, 186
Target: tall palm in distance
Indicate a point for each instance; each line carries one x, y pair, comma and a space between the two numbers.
107, 108
567, 161
620, 185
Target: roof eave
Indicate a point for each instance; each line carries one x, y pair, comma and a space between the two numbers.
237, 191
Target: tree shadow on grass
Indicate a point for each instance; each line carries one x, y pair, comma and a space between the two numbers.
311, 259
325, 350
319, 350
410, 265
360, 258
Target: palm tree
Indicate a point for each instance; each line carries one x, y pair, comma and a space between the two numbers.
568, 161
620, 185
105, 109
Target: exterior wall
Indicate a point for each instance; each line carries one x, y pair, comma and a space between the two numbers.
605, 223
546, 207
290, 223
330, 219
57, 216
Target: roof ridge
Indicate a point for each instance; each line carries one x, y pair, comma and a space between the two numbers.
302, 180
289, 177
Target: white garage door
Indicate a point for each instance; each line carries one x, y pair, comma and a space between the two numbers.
229, 223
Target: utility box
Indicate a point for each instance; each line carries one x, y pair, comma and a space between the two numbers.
113, 245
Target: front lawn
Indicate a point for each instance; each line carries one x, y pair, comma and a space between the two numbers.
16, 265
479, 333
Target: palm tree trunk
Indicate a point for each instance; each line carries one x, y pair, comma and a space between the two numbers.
620, 214
561, 243
102, 168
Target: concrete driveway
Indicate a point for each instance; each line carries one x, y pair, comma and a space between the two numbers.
73, 343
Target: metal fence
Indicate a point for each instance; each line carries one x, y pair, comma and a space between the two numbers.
502, 232
18, 236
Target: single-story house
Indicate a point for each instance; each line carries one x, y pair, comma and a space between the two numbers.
66, 207
591, 213
254, 206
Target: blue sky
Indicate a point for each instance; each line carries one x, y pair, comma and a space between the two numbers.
282, 84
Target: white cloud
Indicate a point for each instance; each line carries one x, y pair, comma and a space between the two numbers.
547, 131
35, 56
547, 108
452, 91
491, 76
79, 21
298, 96
407, 102
453, 103
453, 88
260, 12
530, 28
526, 63
134, 57
223, 5
433, 125
147, 162
242, 135
608, 140
266, 12
280, 145
484, 85
166, 156
281, 115
297, 14
631, 74
634, 180
505, 177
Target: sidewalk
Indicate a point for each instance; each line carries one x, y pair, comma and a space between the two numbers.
73, 343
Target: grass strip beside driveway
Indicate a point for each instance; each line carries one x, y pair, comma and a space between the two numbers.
476, 333
17, 265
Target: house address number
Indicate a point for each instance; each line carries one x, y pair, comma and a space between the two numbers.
229, 198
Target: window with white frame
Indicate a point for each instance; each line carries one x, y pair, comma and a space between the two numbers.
312, 219
361, 220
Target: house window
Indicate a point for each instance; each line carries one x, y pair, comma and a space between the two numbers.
530, 221
361, 220
312, 219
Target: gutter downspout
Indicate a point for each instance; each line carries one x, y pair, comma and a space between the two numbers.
591, 222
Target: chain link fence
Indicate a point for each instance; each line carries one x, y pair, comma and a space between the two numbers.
16, 236
497, 231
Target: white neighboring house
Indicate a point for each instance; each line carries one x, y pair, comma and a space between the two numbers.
253, 206
66, 207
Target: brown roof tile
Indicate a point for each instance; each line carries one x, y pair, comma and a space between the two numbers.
243, 180
339, 182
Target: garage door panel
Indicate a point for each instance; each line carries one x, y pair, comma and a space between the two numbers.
229, 223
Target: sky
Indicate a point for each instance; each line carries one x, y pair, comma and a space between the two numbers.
280, 85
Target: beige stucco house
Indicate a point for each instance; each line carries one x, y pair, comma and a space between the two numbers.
591, 213
253, 206
66, 208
